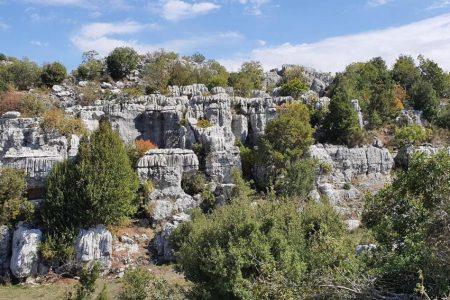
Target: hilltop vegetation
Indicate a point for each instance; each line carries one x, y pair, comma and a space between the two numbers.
263, 235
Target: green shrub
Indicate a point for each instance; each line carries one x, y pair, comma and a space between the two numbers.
136, 284
295, 88
297, 179
99, 187
24, 74
208, 201
121, 61
265, 250
139, 284
203, 123
53, 74
14, 206
412, 135
88, 277
326, 168
248, 159
136, 91
59, 247
409, 220
56, 121
193, 184
91, 70
33, 105
425, 98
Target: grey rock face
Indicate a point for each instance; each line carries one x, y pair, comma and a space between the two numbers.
23, 145
25, 252
161, 242
410, 117
165, 168
406, 153
5, 249
94, 244
352, 171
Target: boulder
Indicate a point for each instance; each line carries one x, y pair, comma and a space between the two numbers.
94, 244
25, 252
350, 173
161, 243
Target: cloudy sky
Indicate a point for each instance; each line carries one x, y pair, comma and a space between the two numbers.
325, 34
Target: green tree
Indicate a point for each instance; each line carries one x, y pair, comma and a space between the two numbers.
405, 72
286, 139
121, 61
412, 135
91, 67
53, 74
99, 187
295, 88
425, 98
247, 79
433, 74
341, 124
409, 220
157, 70
24, 74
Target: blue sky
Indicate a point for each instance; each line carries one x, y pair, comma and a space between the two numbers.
325, 34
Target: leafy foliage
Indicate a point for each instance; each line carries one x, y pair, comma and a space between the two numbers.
53, 74
247, 79
99, 187
262, 251
56, 121
341, 124
410, 222
139, 284
14, 206
121, 61
412, 135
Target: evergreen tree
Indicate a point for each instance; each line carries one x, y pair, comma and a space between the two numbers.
99, 187
341, 123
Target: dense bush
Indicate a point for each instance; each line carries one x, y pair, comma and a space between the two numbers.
295, 88
139, 284
286, 139
53, 74
424, 98
193, 184
14, 206
91, 67
24, 74
121, 61
265, 250
409, 220
55, 121
412, 135
99, 187
341, 124
247, 79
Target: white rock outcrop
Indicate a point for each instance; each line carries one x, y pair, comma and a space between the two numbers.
94, 244
25, 252
161, 242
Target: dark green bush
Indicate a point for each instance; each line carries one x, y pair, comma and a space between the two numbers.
193, 184
53, 74
265, 250
24, 74
121, 61
409, 220
14, 206
99, 187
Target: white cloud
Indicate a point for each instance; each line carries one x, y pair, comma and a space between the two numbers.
104, 37
375, 3
39, 43
439, 4
254, 6
86, 4
430, 37
97, 30
175, 10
